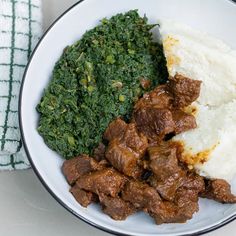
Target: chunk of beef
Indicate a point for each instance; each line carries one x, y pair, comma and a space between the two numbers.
146, 198
194, 182
179, 92
77, 166
165, 212
167, 188
180, 210
154, 122
124, 153
186, 197
137, 142
187, 203
141, 195
163, 160
218, 190
154, 113
183, 121
116, 208
168, 176
169, 212
184, 90
107, 181
99, 152
83, 197
123, 158
159, 97
115, 129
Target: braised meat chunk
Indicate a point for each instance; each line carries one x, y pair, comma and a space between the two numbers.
160, 97
168, 175
184, 90
122, 158
181, 209
218, 190
167, 188
141, 195
186, 197
159, 112
165, 212
184, 203
154, 122
83, 197
144, 197
107, 181
77, 166
116, 208
115, 129
187, 203
124, 153
183, 121
163, 160
137, 142
194, 182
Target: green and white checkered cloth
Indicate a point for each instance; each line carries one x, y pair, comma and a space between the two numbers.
20, 29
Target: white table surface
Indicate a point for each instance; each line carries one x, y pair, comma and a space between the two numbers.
27, 209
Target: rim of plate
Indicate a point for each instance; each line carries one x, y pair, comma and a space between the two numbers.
62, 203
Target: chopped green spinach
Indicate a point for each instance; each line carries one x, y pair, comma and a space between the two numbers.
98, 79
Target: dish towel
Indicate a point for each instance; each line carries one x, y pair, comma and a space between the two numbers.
20, 29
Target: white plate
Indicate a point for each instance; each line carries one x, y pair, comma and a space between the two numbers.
218, 18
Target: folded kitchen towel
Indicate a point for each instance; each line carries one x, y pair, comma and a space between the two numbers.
20, 29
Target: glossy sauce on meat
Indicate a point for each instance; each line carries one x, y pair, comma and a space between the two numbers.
140, 168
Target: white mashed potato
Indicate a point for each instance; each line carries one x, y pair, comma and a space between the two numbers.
199, 56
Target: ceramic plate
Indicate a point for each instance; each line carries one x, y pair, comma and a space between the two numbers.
217, 18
